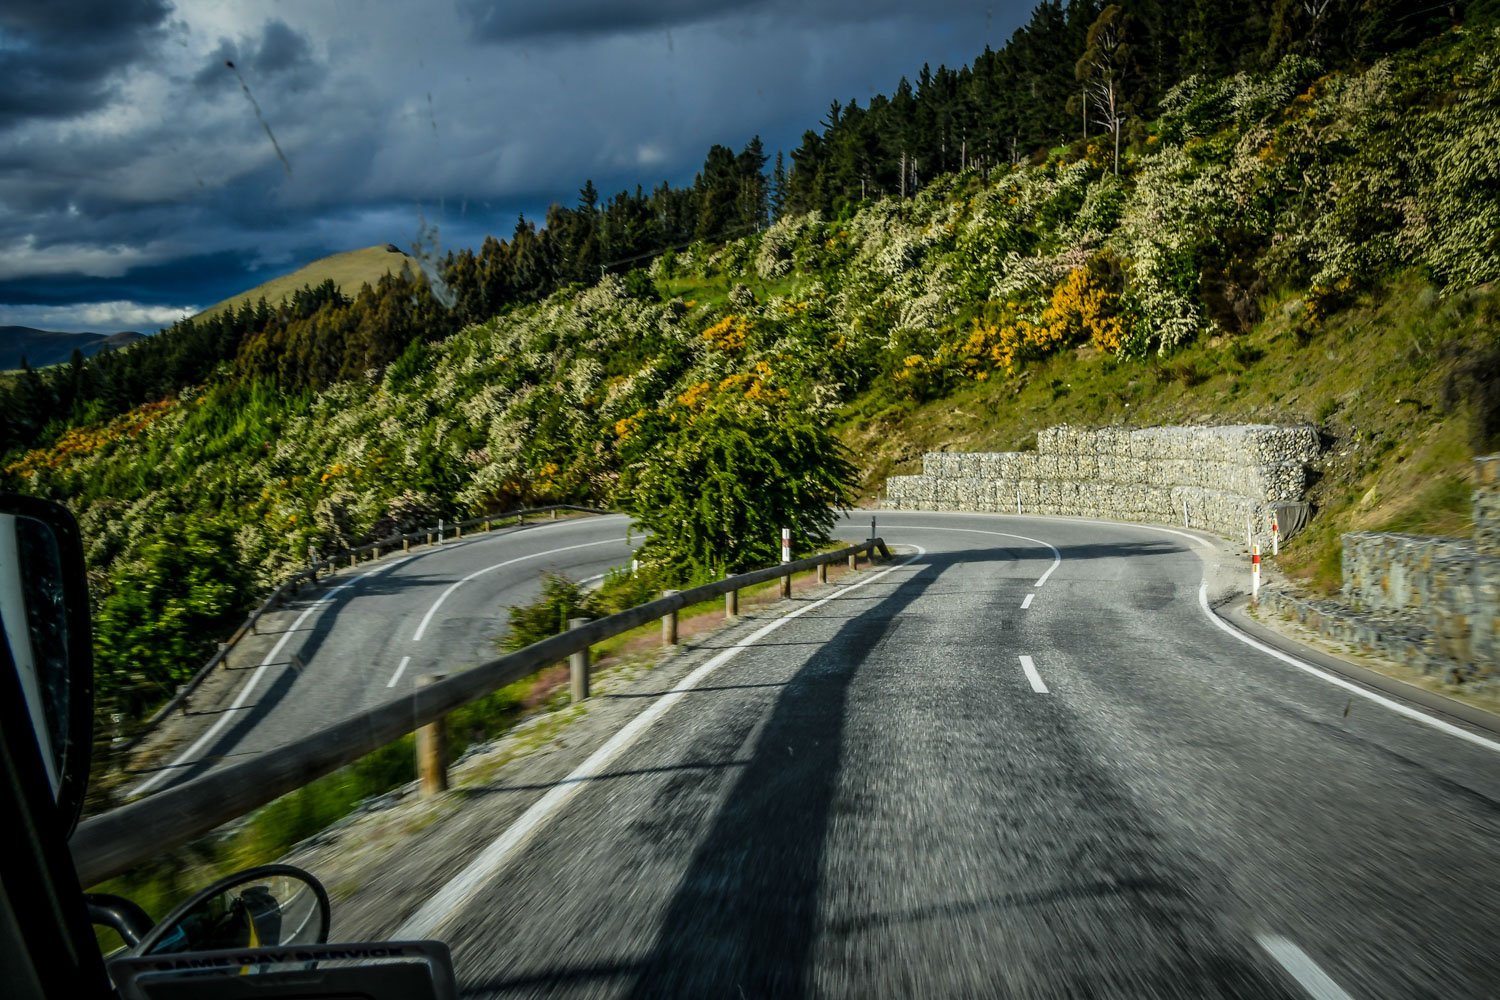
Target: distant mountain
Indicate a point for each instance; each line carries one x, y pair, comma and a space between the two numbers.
349, 270
41, 348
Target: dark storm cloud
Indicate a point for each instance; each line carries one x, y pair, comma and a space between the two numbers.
505, 20
501, 21
394, 117
205, 278
279, 54
60, 58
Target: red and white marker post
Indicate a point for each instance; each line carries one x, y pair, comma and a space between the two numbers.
786, 545
1275, 536
1255, 574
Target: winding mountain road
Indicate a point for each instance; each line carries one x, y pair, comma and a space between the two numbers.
370, 633
1025, 761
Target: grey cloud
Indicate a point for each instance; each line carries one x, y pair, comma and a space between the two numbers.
506, 20
60, 57
279, 52
501, 21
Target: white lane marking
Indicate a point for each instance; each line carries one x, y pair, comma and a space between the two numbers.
1027, 602
1029, 665
399, 671
464, 887
240, 698
1302, 968
427, 618
1056, 555
1394, 706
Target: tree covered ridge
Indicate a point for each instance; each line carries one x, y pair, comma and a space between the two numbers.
693, 391
1075, 70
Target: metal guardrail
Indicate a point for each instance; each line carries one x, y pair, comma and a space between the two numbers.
111, 843
329, 564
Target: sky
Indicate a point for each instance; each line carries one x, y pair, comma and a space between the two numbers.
142, 178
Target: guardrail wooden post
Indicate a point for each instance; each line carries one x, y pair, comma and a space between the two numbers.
822, 572
669, 623
458, 529
486, 524
554, 514
854, 560
731, 602
406, 545
353, 560
432, 748
578, 666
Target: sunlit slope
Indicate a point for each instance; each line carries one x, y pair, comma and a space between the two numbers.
348, 270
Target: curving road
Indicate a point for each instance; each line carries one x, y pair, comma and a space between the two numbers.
1025, 762
372, 632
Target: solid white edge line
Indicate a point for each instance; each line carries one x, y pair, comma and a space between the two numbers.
460, 890
1056, 555
427, 618
1394, 706
1027, 602
399, 671
244, 693
1300, 966
1029, 665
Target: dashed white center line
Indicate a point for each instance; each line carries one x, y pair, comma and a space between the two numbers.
399, 671
1029, 665
1302, 968
1027, 603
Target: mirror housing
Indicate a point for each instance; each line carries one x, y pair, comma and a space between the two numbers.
44, 615
268, 906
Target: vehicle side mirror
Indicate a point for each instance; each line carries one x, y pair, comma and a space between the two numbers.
265, 907
44, 614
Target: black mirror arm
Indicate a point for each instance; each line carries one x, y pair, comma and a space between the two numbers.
120, 915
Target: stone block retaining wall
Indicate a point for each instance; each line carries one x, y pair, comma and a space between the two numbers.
1214, 478
1430, 603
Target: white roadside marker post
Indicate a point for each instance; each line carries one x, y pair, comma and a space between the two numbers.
440, 531
1018, 499
1255, 574
786, 557
1275, 536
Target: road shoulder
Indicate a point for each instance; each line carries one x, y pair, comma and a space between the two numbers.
1280, 635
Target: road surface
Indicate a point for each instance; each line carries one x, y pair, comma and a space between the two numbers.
371, 632
1023, 763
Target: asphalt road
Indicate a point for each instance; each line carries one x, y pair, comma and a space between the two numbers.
371, 633
957, 780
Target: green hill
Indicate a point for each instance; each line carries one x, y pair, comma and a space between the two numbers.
348, 271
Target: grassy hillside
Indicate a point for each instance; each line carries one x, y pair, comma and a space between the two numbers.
348, 270
1296, 246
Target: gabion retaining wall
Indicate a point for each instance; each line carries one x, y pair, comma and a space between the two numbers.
1430, 603
1214, 478
1487, 505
